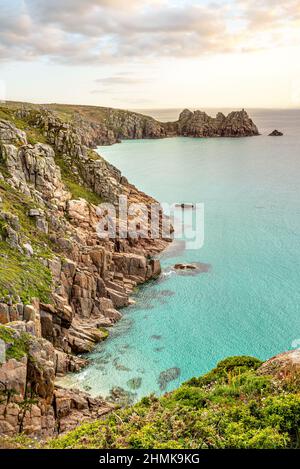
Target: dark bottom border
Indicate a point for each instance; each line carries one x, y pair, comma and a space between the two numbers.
134, 458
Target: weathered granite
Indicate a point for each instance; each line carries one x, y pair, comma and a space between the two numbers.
91, 277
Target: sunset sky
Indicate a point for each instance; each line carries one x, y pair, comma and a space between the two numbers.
151, 53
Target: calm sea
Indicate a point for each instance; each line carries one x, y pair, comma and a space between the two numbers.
249, 302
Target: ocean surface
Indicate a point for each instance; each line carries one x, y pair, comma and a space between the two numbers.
248, 303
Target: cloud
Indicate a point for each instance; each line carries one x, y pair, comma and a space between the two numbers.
119, 80
104, 31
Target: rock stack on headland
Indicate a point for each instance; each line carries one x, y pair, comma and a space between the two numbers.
199, 124
61, 287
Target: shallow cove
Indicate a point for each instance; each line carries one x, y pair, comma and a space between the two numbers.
249, 301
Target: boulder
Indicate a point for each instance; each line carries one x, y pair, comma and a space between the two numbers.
284, 367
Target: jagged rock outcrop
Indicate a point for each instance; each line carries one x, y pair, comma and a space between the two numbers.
130, 125
199, 124
30, 402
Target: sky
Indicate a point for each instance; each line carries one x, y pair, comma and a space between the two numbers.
151, 53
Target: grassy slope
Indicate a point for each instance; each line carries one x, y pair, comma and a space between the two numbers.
66, 112
21, 275
233, 406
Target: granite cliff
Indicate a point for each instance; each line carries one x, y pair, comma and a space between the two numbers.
61, 286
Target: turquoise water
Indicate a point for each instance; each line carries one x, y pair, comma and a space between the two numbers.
249, 302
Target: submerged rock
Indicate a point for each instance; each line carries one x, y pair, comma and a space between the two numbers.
158, 349
119, 366
156, 337
168, 375
134, 383
121, 397
194, 268
185, 266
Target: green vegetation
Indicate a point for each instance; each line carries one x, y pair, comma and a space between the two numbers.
20, 275
23, 276
104, 331
77, 190
233, 406
34, 134
17, 347
17, 442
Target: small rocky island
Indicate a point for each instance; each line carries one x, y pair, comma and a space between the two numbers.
199, 124
276, 133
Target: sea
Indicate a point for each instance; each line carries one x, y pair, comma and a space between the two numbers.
248, 301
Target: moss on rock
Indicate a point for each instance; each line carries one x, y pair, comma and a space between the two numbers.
16, 344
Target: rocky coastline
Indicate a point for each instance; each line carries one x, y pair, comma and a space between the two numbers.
61, 287
98, 126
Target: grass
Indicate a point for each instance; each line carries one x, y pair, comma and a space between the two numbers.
34, 134
17, 347
20, 275
77, 190
23, 276
104, 331
17, 442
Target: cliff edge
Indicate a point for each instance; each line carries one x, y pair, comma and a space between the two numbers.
61, 285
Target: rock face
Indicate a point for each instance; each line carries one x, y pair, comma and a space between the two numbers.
90, 277
130, 125
275, 133
30, 402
